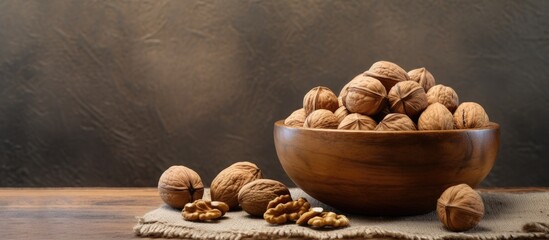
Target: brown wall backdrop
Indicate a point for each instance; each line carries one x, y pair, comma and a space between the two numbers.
111, 93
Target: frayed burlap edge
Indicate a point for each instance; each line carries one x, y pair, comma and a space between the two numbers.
536, 227
159, 229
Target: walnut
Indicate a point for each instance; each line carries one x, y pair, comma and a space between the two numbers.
320, 98
470, 115
387, 73
423, 77
255, 196
313, 212
396, 122
436, 117
328, 220
345, 90
202, 210
296, 119
357, 121
180, 185
321, 118
227, 183
366, 95
408, 97
282, 209
444, 95
341, 113
460, 208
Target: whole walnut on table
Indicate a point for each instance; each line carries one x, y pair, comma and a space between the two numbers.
460, 208
180, 185
256, 195
227, 183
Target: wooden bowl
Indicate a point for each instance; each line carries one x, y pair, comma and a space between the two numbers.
386, 173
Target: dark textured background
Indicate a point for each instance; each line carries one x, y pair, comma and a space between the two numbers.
111, 93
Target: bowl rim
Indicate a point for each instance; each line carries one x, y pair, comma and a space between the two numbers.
489, 127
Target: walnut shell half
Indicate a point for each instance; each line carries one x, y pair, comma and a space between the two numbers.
227, 183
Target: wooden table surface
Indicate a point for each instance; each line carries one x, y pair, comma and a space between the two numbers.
84, 213
73, 213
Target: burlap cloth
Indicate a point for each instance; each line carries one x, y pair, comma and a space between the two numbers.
507, 216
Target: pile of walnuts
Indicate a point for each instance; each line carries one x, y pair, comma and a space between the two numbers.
387, 98
240, 186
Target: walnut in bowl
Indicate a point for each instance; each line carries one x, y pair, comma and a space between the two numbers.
384, 172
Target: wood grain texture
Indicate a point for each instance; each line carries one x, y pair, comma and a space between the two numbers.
390, 173
85, 213
73, 213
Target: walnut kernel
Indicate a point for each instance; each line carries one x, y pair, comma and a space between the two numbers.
328, 220
202, 210
282, 209
313, 212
